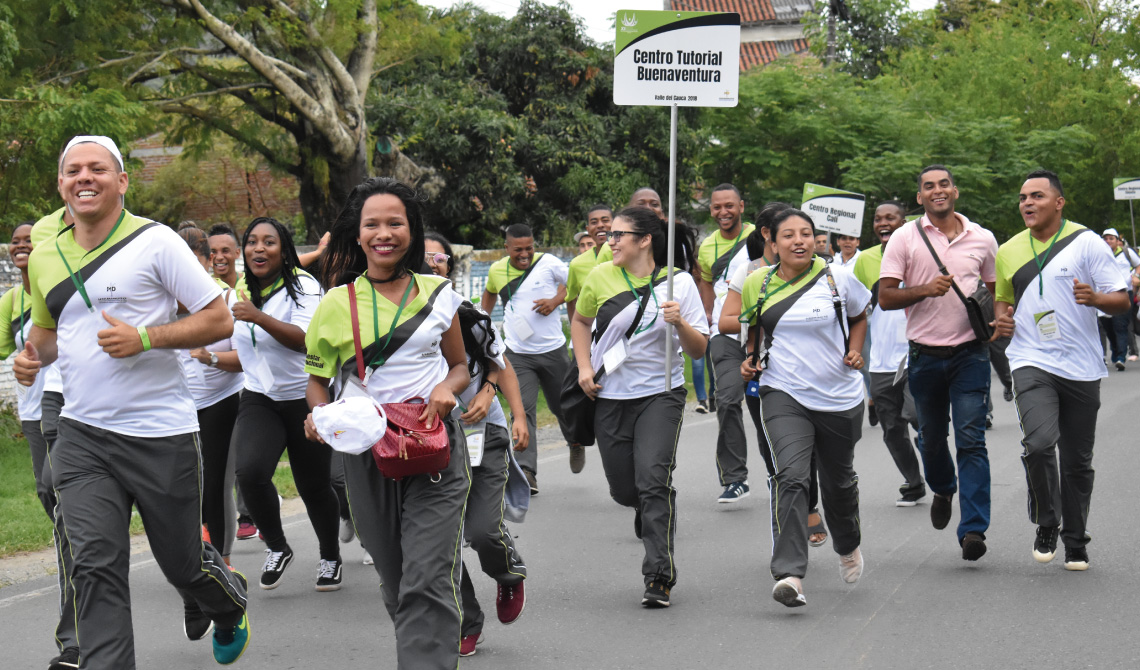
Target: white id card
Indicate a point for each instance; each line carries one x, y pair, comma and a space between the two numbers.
353, 389
475, 439
199, 373
1047, 325
261, 371
616, 355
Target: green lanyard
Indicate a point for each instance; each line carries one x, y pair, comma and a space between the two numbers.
653, 293
1041, 260
716, 249
510, 293
379, 360
75, 277
746, 315
277, 284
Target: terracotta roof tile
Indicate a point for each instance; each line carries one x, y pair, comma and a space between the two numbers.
751, 11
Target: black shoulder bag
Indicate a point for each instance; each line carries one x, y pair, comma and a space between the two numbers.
979, 306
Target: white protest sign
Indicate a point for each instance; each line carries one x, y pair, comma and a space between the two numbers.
834, 211
688, 59
1126, 189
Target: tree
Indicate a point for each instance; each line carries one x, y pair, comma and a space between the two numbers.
870, 34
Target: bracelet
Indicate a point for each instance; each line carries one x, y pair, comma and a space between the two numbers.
145, 338
492, 385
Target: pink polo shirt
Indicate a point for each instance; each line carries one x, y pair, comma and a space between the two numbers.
942, 321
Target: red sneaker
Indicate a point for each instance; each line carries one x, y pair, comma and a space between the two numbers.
467, 644
206, 535
510, 603
246, 530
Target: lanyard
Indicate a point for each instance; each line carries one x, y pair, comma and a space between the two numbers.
22, 340
746, 315
511, 293
769, 293
277, 284
379, 360
653, 293
76, 279
716, 248
1041, 260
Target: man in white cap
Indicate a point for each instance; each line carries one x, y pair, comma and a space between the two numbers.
1116, 327
104, 294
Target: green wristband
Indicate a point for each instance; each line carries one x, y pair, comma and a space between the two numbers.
145, 338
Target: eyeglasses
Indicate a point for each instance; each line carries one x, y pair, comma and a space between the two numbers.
615, 235
436, 259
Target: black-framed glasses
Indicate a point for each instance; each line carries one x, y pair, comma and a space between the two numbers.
436, 259
615, 235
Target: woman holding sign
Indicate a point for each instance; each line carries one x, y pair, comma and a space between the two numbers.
277, 300
411, 348
639, 410
811, 316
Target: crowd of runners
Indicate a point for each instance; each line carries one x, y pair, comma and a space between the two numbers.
154, 376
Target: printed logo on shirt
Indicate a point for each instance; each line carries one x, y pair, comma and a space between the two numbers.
433, 350
314, 361
111, 297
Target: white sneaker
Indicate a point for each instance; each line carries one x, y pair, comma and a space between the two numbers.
367, 558
851, 566
788, 591
347, 532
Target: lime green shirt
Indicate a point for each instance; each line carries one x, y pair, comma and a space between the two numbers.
716, 246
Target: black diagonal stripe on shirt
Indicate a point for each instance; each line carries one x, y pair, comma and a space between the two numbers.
58, 297
400, 336
1025, 275
512, 287
721, 264
16, 322
612, 307
874, 294
771, 316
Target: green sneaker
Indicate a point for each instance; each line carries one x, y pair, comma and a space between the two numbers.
230, 642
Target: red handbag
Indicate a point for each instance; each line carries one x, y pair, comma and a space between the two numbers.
407, 448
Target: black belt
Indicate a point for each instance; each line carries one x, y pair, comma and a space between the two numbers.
941, 353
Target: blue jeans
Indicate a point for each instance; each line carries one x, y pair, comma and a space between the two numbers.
699, 379
957, 385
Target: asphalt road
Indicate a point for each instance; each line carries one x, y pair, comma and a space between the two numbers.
918, 605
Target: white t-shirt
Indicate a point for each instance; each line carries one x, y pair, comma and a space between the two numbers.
837, 260
737, 286
1074, 350
805, 342
527, 331
210, 385
139, 276
889, 345
495, 415
720, 287
271, 368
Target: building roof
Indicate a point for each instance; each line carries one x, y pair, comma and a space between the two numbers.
762, 53
751, 11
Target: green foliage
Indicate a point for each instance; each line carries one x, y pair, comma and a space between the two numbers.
876, 30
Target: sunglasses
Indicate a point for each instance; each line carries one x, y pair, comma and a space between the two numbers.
615, 235
437, 259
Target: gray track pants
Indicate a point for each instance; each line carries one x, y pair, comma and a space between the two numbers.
546, 371
1058, 421
793, 431
726, 355
412, 530
41, 435
637, 441
98, 474
485, 528
895, 406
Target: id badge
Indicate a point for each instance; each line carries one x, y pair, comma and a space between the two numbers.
752, 389
1047, 328
475, 440
199, 373
616, 355
521, 329
353, 389
261, 371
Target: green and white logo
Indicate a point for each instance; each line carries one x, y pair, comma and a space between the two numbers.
833, 210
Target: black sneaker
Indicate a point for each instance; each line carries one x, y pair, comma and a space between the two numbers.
702, 407
328, 575
195, 623
275, 564
1008, 394
1045, 546
67, 659
910, 498
531, 481
637, 523
734, 492
656, 594
973, 547
872, 415
712, 404
1076, 558
577, 458
1119, 366
940, 510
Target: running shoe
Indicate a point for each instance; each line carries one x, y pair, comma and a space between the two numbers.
712, 404
510, 602
1076, 558
195, 623
246, 530
1008, 394
1045, 546
872, 414
67, 659
230, 641
910, 498
347, 532
940, 510
787, 592
467, 644
734, 492
577, 458
656, 594
973, 547
531, 481
328, 575
1120, 366
275, 564
368, 558
702, 407
851, 566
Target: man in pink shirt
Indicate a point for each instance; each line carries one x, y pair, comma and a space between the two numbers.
948, 366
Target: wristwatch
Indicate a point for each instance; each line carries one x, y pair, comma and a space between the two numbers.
493, 385
213, 360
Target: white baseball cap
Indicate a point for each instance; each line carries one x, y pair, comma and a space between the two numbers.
350, 425
1110, 231
578, 236
103, 141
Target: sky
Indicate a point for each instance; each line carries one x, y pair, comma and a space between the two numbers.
596, 13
